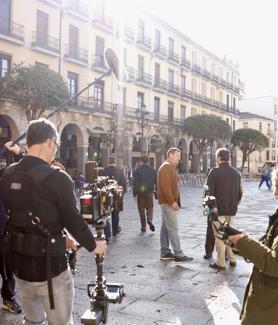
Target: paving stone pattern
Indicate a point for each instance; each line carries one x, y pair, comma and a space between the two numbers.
162, 292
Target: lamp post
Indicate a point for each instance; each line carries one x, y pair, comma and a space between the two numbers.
141, 115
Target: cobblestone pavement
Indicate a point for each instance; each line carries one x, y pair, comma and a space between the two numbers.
162, 292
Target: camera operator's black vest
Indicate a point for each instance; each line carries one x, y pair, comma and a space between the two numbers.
30, 216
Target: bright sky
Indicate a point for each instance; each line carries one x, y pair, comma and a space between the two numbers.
243, 30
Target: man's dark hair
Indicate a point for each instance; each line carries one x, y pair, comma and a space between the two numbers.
172, 150
223, 154
39, 131
145, 159
111, 160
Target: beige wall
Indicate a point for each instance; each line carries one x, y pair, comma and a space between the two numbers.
25, 13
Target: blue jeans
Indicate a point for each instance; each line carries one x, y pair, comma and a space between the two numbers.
8, 283
169, 231
115, 225
35, 300
265, 179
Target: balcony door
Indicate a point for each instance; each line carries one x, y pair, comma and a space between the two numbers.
5, 16
156, 74
141, 65
42, 27
73, 41
170, 112
99, 51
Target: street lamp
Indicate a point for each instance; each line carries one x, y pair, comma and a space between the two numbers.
141, 115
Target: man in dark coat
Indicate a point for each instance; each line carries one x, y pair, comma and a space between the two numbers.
144, 186
224, 182
113, 172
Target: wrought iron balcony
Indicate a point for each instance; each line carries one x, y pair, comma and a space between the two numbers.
236, 89
92, 105
173, 90
45, 43
130, 73
159, 85
129, 34
184, 63
77, 9
144, 42
206, 74
186, 94
55, 3
214, 78
197, 97
144, 79
76, 55
229, 85
173, 58
222, 82
98, 63
196, 68
103, 22
11, 31
160, 51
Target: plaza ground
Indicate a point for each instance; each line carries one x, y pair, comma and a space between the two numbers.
162, 292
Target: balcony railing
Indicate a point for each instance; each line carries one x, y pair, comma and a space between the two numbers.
103, 22
186, 94
47, 43
159, 85
77, 8
55, 3
130, 73
144, 41
129, 34
222, 82
160, 50
143, 78
12, 30
98, 63
92, 105
173, 58
236, 89
214, 78
184, 63
76, 55
206, 73
196, 68
229, 85
173, 89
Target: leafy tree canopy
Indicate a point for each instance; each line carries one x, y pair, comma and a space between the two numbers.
249, 140
205, 129
37, 88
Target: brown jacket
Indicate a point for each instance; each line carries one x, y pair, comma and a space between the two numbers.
260, 302
167, 184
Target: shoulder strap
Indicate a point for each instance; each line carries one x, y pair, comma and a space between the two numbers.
40, 172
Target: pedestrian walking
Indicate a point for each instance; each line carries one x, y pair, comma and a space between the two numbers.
260, 303
224, 182
169, 199
144, 186
265, 176
113, 172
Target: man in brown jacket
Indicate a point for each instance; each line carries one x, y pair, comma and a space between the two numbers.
169, 199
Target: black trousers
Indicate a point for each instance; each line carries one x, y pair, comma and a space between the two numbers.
210, 239
8, 285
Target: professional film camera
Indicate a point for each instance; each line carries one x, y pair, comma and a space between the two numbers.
222, 230
102, 196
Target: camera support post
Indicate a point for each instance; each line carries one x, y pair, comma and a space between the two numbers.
96, 208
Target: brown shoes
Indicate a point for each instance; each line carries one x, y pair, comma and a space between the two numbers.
216, 267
